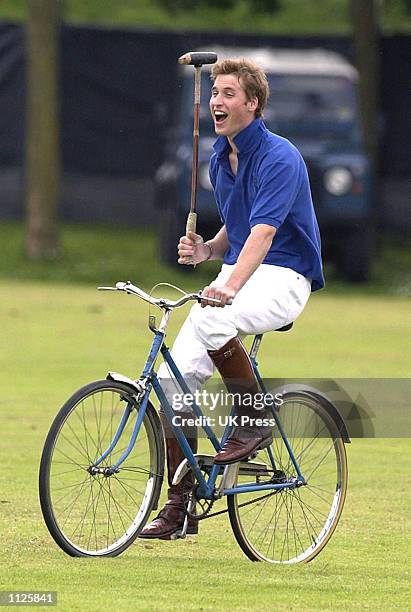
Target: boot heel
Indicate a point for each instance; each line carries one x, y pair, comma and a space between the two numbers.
265, 443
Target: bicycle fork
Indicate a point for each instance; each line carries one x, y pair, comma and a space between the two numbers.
141, 388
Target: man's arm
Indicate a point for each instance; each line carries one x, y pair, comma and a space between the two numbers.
219, 244
252, 254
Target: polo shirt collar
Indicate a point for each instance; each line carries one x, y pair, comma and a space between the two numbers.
245, 141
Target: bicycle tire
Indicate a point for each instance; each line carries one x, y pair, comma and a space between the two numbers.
96, 514
293, 525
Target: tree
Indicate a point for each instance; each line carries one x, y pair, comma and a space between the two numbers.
366, 33
42, 129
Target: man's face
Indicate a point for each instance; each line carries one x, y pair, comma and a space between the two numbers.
229, 106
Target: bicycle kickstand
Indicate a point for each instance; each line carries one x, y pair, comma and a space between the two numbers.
182, 534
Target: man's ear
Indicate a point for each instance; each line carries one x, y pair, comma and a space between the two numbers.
252, 104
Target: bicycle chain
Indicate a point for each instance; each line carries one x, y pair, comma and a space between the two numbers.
210, 503
206, 514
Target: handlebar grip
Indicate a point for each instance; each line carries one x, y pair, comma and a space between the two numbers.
199, 299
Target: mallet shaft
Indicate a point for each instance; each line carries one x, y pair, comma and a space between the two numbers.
196, 138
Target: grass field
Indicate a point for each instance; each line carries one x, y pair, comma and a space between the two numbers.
101, 254
56, 337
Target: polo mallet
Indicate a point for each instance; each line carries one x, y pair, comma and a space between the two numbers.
196, 59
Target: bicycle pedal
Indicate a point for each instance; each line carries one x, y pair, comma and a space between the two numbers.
178, 535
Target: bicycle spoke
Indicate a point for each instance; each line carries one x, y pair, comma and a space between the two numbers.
124, 487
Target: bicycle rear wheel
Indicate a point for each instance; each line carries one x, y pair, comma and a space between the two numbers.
292, 525
95, 513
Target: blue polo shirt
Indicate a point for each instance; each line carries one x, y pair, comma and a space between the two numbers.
271, 187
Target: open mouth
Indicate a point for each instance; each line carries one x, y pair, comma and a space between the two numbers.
220, 116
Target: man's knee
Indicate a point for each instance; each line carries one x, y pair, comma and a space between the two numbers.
213, 326
178, 400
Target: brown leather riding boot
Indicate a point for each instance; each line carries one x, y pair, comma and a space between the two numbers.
234, 365
170, 519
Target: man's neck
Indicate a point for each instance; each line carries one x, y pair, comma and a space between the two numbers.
232, 145
232, 156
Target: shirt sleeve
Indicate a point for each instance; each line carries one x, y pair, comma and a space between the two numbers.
278, 183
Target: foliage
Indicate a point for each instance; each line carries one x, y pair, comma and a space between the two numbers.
291, 17
268, 6
183, 5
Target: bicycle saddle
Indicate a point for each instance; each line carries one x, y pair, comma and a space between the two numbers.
286, 327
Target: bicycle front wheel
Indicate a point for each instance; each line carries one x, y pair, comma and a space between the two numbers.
292, 525
89, 510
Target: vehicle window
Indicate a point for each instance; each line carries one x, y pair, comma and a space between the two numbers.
321, 96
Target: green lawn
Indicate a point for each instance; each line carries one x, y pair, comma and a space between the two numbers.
100, 254
55, 337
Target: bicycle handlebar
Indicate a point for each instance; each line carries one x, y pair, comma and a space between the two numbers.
131, 289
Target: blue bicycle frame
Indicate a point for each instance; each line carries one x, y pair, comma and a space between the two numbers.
149, 382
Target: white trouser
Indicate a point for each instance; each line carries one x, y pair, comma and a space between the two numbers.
271, 298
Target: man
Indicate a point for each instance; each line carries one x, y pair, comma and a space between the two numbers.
270, 245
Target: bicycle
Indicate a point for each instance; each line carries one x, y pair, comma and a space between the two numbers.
102, 465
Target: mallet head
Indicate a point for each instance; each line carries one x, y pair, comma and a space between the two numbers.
198, 58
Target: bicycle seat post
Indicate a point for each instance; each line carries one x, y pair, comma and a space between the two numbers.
255, 346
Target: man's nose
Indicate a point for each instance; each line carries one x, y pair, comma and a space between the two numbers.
215, 99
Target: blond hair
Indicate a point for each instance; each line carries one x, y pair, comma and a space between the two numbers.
251, 77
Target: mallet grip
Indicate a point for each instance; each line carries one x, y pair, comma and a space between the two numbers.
191, 226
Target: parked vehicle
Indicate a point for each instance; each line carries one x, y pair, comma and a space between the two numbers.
313, 103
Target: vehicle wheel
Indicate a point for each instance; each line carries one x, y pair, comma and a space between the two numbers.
292, 525
171, 228
356, 253
95, 513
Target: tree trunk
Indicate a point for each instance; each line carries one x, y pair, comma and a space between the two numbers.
366, 41
42, 129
